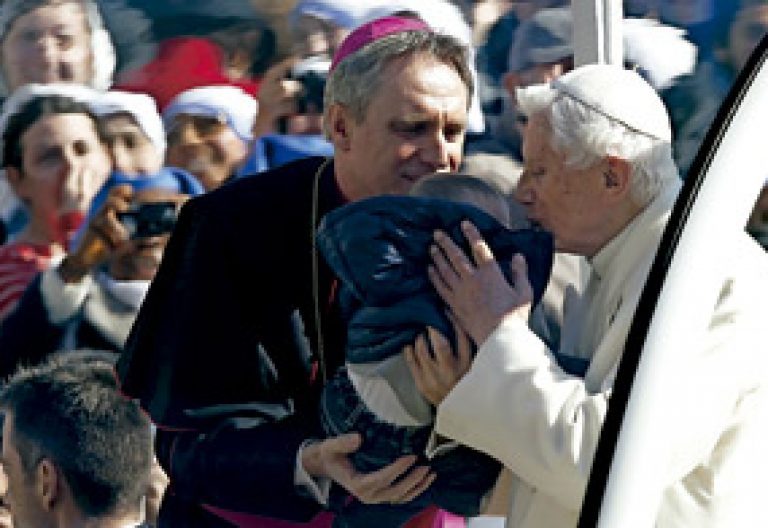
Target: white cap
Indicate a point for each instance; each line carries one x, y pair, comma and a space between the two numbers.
620, 95
229, 103
29, 92
140, 107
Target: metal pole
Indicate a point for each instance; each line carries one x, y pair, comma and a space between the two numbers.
597, 36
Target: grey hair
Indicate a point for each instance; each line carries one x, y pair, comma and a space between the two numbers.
355, 80
585, 137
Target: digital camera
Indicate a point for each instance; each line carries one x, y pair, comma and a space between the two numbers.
149, 219
312, 73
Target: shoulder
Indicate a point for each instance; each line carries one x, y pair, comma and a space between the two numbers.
262, 208
19, 256
266, 190
19, 263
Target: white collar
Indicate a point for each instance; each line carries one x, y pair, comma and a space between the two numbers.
130, 293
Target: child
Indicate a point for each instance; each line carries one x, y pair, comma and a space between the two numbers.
379, 250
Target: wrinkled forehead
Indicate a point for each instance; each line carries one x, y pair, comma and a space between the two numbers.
404, 73
537, 138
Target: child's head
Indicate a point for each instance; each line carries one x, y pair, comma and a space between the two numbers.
55, 160
464, 188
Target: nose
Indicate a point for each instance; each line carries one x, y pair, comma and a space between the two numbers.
184, 133
523, 192
439, 154
46, 48
72, 177
122, 160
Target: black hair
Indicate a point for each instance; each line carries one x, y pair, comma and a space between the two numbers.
69, 410
454, 186
465, 188
30, 113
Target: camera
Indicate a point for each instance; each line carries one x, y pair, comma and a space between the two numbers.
312, 73
149, 219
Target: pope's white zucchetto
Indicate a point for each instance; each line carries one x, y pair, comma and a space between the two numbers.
620, 95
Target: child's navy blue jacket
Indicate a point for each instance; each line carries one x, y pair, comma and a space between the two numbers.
379, 250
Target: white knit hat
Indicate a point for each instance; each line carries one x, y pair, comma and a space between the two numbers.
140, 107
620, 95
19, 98
231, 103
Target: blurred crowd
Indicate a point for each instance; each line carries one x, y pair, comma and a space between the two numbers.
117, 112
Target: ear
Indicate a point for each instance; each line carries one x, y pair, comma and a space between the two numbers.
510, 81
48, 483
617, 178
15, 179
13, 174
340, 126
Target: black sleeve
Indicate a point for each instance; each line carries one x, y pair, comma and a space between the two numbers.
197, 360
27, 336
240, 465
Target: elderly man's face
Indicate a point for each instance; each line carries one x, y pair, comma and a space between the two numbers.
49, 44
563, 200
414, 126
206, 147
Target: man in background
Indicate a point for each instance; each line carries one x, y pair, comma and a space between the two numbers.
75, 451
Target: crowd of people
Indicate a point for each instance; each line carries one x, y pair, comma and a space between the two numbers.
353, 263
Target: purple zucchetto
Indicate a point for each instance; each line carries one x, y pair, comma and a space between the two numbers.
373, 31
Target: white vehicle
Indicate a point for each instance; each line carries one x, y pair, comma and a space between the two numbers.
729, 172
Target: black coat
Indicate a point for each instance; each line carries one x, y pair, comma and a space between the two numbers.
28, 337
221, 352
